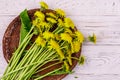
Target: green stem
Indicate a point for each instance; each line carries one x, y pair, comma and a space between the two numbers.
27, 70
18, 69
14, 64
20, 53
49, 66
29, 74
75, 58
61, 29
25, 59
56, 30
45, 63
14, 55
28, 62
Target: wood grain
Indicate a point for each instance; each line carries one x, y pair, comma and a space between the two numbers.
101, 17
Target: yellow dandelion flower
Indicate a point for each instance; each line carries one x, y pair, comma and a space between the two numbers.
40, 15
51, 15
77, 46
51, 20
67, 30
43, 5
69, 23
60, 23
34, 22
48, 35
40, 41
41, 24
66, 65
66, 37
92, 38
44, 24
57, 37
79, 36
55, 45
60, 12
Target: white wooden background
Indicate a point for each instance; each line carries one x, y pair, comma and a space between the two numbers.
101, 17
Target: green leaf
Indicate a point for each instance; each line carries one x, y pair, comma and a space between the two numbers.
25, 24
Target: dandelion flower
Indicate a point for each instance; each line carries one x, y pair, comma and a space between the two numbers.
55, 45
45, 24
50, 14
36, 22
79, 36
57, 37
67, 30
60, 23
39, 15
40, 41
69, 23
60, 12
51, 20
66, 37
48, 35
43, 5
76, 45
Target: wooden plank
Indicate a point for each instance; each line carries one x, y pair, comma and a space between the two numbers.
3, 63
15, 7
92, 77
100, 60
89, 7
77, 7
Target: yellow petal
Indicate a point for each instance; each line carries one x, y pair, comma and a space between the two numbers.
55, 45
43, 5
69, 23
40, 15
40, 41
60, 12
66, 37
50, 14
51, 20
77, 46
60, 23
79, 36
48, 35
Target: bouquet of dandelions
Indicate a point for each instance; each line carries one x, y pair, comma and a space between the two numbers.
57, 39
